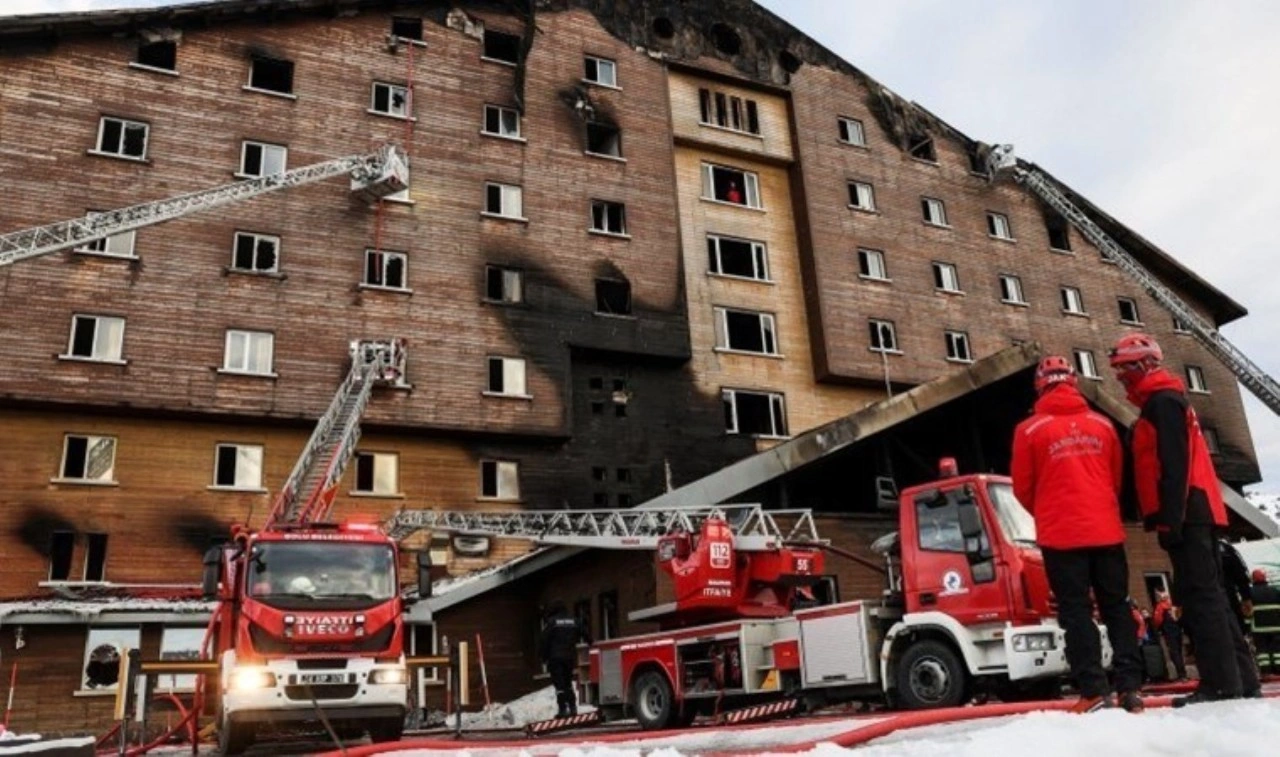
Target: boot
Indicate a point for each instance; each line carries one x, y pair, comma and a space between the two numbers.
1092, 704
1199, 696
1131, 702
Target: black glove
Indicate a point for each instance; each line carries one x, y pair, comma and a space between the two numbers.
1169, 539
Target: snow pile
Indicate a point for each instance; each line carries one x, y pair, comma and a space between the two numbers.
530, 708
1269, 504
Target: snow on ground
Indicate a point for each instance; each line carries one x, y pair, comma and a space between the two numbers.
539, 705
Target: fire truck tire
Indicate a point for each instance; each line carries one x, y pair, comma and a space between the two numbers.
929, 674
233, 737
386, 729
653, 701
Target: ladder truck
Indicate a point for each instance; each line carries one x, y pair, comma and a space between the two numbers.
309, 620
965, 606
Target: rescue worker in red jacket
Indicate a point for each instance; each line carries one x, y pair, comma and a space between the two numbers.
1067, 470
1179, 499
1165, 620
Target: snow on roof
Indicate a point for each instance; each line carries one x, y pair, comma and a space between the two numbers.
453, 583
87, 609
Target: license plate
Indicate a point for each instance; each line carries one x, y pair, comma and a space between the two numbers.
319, 678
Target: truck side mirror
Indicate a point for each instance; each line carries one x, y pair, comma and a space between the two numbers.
424, 574
976, 545
212, 573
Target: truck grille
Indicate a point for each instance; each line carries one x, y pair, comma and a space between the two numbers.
322, 691
323, 663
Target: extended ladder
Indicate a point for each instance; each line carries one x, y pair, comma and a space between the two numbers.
1249, 374
308, 493
754, 528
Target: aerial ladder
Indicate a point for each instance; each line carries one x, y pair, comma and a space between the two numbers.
1254, 378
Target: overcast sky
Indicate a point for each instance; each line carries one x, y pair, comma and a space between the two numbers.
1162, 112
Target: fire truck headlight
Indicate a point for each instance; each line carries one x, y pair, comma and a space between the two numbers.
389, 675
1034, 642
247, 679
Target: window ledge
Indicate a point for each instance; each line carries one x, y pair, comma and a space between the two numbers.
94, 693
241, 489
961, 361
231, 271
384, 114
1010, 240
229, 372
1075, 313
499, 61
118, 156
937, 225
152, 69
858, 145
1060, 251
604, 156
82, 482
731, 130
875, 279
600, 84
505, 137
771, 437
859, 208
925, 161
244, 176
952, 292
83, 359
740, 205
99, 254
619, 316
410, 41
613, 234
1198, 391
399, 200
380, 288
500, 217
733, 277
512, 500
377, 495
1016, 303
749, 353
502, 303
506, 396
271, 92
885, 352
1123, 322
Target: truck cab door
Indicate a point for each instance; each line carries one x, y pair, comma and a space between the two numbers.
948, 559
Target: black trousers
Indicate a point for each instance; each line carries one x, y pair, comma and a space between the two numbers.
561, 672
1105, 571
1222, 655
1173, 641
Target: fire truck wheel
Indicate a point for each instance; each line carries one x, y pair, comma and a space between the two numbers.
929, 674
387, 729
652, 700
233, 737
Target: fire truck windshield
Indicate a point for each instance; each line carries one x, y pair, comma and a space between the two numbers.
1018, 525
322, 573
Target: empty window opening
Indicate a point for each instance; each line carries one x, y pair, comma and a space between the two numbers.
754, 413
1195, 379
597, 407
663, 28
390, 99
871, 265
503, 284
406, 28
789, 61
271, 74
624, 475
619, 385
1180, 326
506, 200
1059, 237
248, 352
1129, 310
600, 71
95, 558
852, 132
730, 185
604, 139
619, 410
387, 270
998, 226
257, 253
1011, 289
162, 54
945, 277
377, 473
726, 39
499, 479
600, 499
884, 337
921, 147
745, 331
599, 473
1085, 364
123, 138
613, 297
729, 111
608, 217
977, 162
958, 347
506, 376
62, 545
262, 159
596, 382
501, 46
96, 337
934, 212
238, 466
740, 258
1072, 301
502, 122
861, 196
89, 458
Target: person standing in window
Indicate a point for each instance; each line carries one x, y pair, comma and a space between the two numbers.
733, 194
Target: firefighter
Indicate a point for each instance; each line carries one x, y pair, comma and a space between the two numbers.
1165, 620
1235, 581
1178, 497
558, 648
1266, 623
1067, 470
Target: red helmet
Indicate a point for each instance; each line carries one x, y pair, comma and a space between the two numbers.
1259, 576
1054, 370
1135, 348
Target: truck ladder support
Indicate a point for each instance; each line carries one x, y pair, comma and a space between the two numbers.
1250, 374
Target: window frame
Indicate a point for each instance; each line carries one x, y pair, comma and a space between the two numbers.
490, 269
122, 638
137, 55
378, 459
617, 141
241, 173
505, 192
90, 440
768, 325
999, 226
750, 186
865, 269
777, 408
844, 131
257, 237
1072, 300
498, 466
1196, 381
1086, 364
628, 312
1212, 439
1179, 327
717, 106
862, 196
605, 216
612, 65
114, 356
250, 337
510, 375
953, 340
235, 470
185, 682
941, 270
927, 205
1016, 281
388, 256
484, 47
56, 555
759, 252
875, 334
1133, 304
102, 247
406, 94
500, 111
254, 60
120, 154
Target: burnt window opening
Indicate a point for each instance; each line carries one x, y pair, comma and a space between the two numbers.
740, 258
599, 473
921, 147
729, 111
624, 500
406, 28
502, 47
1059, 237
608, 217
789, 62
619, 385
613, 297
725, 39
600, 499
624, 475
62, 545
754, 413
95, 561
976, 163
597, 407
256, 253
596, 382
620, 411
663, 28
162, 54
503, 284
745, 331
604, 139
271, 74
884, 337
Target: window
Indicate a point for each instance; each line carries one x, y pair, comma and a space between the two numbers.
861, 196
256, 253
406, 27
608, 614
62, 545
871, 265
958, 347
1059, 237
998, 226
613, 297
506, 376
237, 466
505, 200
608, 217
851, 132
624, 475
945, 277
884, 338
390, 100
377, 473
599, 473
248, 352
745, 331
938, 525
1180, 327
729, 111
604, 139
739, 258
1085, 364
122, 138
1195, 380
95, 557
162, 54
921, 147
501, 47
1072, 302
754, 413
1129, 311
600, 71
179, 643
502, 122
271, 75
499, 479
261, 159
503, 284
96, 337
730, 185
1011, 289
89, 458
935, 213
1211, 440
116, 246
386, 270
102, 651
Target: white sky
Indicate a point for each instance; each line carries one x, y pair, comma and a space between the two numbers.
1160, 111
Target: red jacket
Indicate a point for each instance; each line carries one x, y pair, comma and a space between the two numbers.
1163, 611
1173, 473
1067, 469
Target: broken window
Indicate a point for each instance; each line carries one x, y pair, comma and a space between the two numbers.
62, 545
122, 138
921, 147
958, 347
386, 270
237, 466
597, 407
731, 185
1129, 311
503, 284
88, 458
1059, 237
162, 54
501, 47
608, 217
504, 200
871, 265
261, 159
390, 100
729, 111
740, 258
599, 473
377, 473
745, 331
499, 479
501, 122
1195, 380
1085, 364
406, 28
248, 352
624, 500
935, 213
271, 75
861, 196
596, 382
600, 71
851, 132
998, 226
945, 277
1072, 301
754, 413
506, 377
613, 297
619, 410
884, 337
1011, 289
95, 558
96, 337
604, 139
255, 253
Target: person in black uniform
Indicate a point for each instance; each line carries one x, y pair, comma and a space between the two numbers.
558, 648
1235, 579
